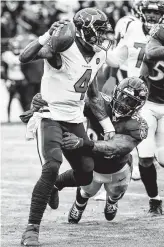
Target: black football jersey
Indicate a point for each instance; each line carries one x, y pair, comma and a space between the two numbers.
154, 70
134, 126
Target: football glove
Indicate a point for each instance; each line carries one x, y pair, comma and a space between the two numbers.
38, 102
25, 116
71, 141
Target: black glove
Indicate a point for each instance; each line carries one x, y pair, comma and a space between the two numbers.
25, 116
71, 141
38, 102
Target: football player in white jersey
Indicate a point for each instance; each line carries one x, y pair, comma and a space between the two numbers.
70, 65
153, 111
131, 47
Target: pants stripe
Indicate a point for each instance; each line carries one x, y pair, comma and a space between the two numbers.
40, 144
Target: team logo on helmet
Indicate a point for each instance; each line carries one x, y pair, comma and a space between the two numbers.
92, 26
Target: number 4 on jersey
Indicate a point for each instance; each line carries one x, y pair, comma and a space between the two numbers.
81, 85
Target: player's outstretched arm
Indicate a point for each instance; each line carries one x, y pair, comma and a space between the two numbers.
119, 145
97, 105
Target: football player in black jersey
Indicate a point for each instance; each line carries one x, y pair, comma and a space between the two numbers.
112, 158
153, 111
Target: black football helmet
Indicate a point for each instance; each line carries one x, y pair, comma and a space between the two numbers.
129, 96
145, 11
93, 26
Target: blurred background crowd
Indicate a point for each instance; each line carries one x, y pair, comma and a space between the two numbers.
23, 21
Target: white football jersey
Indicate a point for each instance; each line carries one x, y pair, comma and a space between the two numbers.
122, 26
65, 89
130, 48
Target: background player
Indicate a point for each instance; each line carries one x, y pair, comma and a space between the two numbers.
153, 111
63, 86
14, 77
112, 158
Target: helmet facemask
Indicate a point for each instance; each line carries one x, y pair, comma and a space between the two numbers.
96, 37
151, 13
128, 101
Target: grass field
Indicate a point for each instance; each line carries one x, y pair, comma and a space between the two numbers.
20, 170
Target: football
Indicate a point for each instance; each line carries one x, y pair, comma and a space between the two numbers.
63, 37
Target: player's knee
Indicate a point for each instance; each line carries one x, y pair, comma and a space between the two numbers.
160, 156
146, 162
55, 153
50, 170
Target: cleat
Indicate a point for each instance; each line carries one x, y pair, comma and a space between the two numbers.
54, 198
155, 207
75, 213
30, 236
110, 210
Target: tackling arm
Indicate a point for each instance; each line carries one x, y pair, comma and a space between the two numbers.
119, 145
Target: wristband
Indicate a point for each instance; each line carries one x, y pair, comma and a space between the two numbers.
107, 125
44, 38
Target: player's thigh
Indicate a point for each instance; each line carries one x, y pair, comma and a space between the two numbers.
49, 139
79, 159
147, 147
160, 133
160, 141
120, 181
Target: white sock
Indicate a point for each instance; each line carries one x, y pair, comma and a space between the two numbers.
155, 198
80, 205
113, 201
